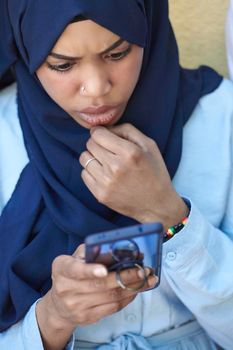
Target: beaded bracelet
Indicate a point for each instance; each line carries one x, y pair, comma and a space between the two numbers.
174, 229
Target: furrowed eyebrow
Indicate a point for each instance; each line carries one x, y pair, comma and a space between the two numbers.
70, 58
113, 46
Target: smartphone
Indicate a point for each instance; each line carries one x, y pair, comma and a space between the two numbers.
133, 246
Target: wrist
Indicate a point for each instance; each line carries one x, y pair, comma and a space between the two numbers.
46, 309
170, 214
55, 331
176, 214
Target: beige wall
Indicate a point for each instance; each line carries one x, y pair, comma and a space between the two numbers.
199, 27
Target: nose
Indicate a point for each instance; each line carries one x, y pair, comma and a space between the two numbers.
96, 82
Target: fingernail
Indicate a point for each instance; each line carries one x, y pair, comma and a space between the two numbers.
141, 274
100, 272
147, 271
144, 274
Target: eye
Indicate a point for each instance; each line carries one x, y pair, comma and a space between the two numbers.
60, 67
117, 56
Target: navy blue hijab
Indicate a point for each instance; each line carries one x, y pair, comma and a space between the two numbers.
51, 210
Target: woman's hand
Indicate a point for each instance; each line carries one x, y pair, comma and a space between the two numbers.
82, 294
130, 177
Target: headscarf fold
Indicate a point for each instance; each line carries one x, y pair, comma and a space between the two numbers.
51, 211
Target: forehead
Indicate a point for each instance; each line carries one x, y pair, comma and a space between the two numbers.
84, 36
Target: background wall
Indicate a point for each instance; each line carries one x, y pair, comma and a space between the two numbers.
199, 26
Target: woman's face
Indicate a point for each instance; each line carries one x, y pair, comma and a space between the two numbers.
91, 73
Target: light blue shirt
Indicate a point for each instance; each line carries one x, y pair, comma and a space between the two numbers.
197, 274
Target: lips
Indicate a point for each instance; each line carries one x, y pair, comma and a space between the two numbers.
98, 116
96, 110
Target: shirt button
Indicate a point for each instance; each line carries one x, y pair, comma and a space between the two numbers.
131, 318
171, 256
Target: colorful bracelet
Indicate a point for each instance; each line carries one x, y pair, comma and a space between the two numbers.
174, 229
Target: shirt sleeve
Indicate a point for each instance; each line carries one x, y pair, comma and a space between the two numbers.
198, 266
25, 335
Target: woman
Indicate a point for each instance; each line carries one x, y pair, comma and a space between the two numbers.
229, 38
102, 104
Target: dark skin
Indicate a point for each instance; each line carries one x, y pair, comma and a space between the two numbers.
76, 297
82, 294
128, 175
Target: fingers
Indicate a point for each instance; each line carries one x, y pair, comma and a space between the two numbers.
84, 293
110, 141
93, 278
129, 132
118, 295
75, 268
96, 313
94, 167
80, 252
103, 290
91, 183
103, 155
129, 276
105, 144
151, 282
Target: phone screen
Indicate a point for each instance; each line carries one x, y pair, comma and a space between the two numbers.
139, 245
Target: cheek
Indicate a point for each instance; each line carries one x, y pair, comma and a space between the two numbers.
58, 86
127, 76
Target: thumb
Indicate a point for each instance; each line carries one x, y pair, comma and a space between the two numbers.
80, 252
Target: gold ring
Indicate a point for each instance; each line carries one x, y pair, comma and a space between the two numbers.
123, 286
